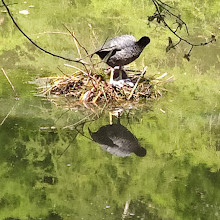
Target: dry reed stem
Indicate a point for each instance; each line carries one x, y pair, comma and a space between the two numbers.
77, 45
8, 80
93, 33
136, 84
75, 67
97, 97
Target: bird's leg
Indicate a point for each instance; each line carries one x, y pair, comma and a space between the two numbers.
120, 72
111, 81
112, 73
111, 76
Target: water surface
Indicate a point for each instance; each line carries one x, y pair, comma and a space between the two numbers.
50, 167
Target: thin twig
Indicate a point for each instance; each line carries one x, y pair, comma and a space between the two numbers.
136, 84
9, 4
77, 46
78, 43
170, 13
71, 33
93, 33
8, 114
83, 134
97, 96
62, 72
9, 81
164, 4
177, 43
103, 91
65, 64
81, 60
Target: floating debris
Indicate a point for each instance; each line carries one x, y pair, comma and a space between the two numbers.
24, 12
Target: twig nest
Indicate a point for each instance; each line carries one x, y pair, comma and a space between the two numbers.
94, 88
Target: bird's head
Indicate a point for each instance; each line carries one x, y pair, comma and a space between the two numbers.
144, 41
141, 152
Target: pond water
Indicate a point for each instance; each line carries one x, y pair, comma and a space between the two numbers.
54, 166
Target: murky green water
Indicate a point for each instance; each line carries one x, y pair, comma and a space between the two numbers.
50, 167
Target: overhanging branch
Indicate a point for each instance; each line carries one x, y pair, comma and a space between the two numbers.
162, 10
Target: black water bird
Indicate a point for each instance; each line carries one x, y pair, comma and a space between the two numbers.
118, 140
122, 50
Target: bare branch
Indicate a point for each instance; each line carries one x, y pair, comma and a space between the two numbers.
162, 10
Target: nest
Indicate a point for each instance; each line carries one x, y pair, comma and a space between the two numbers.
93, 87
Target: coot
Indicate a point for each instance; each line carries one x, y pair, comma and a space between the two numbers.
122, 50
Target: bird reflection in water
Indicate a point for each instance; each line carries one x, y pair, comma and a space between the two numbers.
118, 140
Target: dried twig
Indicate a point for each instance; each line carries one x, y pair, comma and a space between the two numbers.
62, 72
77, 46
75, 67
72, 34
93, 33
9, 81
136, 84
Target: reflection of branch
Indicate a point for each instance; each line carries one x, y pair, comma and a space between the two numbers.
160, 17
125, 212
67, 147
61, 115
78, 132
8, 114
52, 54
9, 82
79, 122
